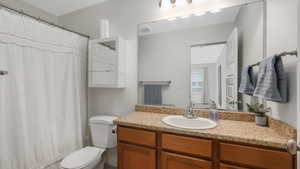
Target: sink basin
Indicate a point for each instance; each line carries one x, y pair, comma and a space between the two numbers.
183, 122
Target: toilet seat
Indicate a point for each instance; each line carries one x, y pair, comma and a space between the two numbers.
81, 158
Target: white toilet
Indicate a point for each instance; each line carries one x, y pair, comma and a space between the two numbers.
103, 137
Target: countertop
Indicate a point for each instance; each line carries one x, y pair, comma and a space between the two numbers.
226, 130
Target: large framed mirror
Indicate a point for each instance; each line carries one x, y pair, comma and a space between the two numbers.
199, 58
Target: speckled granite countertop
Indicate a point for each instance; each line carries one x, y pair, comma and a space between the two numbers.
227, 130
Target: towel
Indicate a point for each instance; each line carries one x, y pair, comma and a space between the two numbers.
248, 81
272, 83
152, 95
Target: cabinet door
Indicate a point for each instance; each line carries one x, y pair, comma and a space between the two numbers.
226, 166
136, 157
175, 161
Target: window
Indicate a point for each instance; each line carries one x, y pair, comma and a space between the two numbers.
198, 86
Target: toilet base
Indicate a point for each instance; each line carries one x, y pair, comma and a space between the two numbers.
101, 164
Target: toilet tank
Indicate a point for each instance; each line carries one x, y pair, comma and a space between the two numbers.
103, 131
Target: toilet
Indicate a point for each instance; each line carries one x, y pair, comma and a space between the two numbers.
91, 157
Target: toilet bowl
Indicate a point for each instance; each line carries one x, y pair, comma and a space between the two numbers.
92, 157
85, 158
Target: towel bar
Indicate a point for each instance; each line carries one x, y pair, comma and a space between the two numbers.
164, 83
291, 53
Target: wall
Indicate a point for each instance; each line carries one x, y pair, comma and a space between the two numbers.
250, 28
29, 9
282, 33
164, 57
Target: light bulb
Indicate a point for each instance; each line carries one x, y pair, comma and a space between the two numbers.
166, 4
181, 3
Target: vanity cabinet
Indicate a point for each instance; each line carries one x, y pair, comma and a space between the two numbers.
140, 148
107, 63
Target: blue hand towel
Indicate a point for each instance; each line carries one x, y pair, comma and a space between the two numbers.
152, 95
272, 81
248, 81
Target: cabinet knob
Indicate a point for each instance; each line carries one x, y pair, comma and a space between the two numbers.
293, 147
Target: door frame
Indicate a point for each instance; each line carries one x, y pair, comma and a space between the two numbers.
189, 67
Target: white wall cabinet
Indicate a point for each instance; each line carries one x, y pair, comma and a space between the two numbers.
107, 63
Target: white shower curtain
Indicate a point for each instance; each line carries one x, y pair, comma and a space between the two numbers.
43, 96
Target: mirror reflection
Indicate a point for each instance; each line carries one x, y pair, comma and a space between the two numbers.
198, 58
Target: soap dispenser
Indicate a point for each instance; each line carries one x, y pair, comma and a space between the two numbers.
214, 114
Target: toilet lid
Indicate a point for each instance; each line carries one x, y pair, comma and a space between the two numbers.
81, 158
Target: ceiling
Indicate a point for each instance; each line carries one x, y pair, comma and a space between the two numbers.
206, 54
61, 7
227, 15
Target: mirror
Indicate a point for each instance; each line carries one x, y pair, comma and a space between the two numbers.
199, 58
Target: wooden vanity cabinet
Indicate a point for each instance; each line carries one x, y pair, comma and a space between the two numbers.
144, 149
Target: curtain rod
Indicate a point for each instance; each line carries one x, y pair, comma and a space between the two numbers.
42, 20
292, 53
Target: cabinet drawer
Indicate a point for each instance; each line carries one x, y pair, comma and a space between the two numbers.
135, 136
255, 157
175, 161
188, 145
226, 166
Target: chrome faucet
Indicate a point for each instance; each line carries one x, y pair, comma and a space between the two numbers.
189, 112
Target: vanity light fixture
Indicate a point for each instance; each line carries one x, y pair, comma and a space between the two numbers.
216, 10
167, 4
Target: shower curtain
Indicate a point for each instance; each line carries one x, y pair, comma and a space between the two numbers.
43, 96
